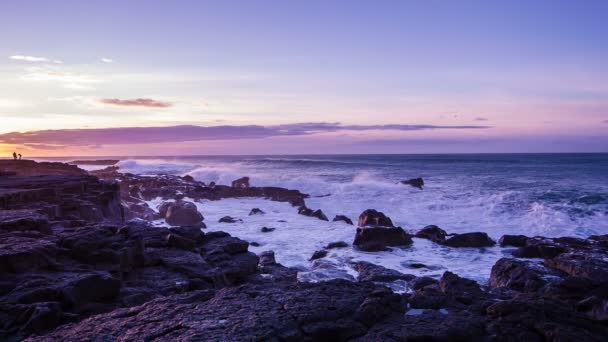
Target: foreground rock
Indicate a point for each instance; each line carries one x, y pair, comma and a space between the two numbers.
182, 213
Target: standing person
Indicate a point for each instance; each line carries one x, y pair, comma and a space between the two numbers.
15, 155
19, 156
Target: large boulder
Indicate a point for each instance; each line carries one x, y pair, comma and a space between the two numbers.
183, 213
379, 238
374, 218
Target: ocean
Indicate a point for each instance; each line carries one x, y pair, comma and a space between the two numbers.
532, 194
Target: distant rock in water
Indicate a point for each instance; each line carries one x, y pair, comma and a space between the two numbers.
374, 218
267, 230
318, 255
95, 162
337, 244
373, 239
415, 182
513, 240
432, 233
256, 211
182, 213
229, 219
476, 239
305, 211
343, 219
188, 178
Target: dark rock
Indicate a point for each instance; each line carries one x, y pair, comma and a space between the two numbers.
517, 275
188, 178
229, 219
267, 230
539, 248
32, 168
415, 182
343, 219
24, 220
337, 244
303, 210
417, 265
374, 218
476, 239
370, 272
177, 241
267, 258
420, 282
189, 232
378, 239
320, 215
513, 240
183, 213
241, 183
256, 211
432, 233
101, 162
318, 255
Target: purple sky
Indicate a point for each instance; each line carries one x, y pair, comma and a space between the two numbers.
265, 77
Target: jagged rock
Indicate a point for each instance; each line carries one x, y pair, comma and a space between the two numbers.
343, 219
432, 233
476, 239
318, 255
337, 244
415, 182
320, 215
256, 211
513, 240
518, 275
374, 218
267, 230
379, 238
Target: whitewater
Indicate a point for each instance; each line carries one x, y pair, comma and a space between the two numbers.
532, 194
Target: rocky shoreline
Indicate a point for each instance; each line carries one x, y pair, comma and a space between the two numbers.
80, 260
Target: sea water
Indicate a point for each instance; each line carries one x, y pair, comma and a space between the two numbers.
531, 194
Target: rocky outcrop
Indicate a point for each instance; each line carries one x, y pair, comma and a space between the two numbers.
182, 213
32, 168
305, 211
513, 240
374, 218
241, 183
103, 162
376, 232
415, 182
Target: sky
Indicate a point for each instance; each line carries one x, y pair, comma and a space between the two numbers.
299, 77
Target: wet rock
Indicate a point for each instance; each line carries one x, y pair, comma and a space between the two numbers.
420, 282
539, 248
379, 238
303, 210
374, 218
415, 182
518, 275
513, 240
183, 213
229, 219
318, 255
267, 258
337, 244
267, 230
320, 215
256, 211
432, 233
242, 182
371, 272
189, 232
343, 219
476, 239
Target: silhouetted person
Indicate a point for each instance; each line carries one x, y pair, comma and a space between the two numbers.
19, 156
15, 155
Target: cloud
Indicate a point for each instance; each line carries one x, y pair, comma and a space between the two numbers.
107, 60
150, 103
44, 146
605, 121
68, 80
480, 119
34, 59
174, 134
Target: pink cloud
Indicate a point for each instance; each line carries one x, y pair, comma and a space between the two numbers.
136, 103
